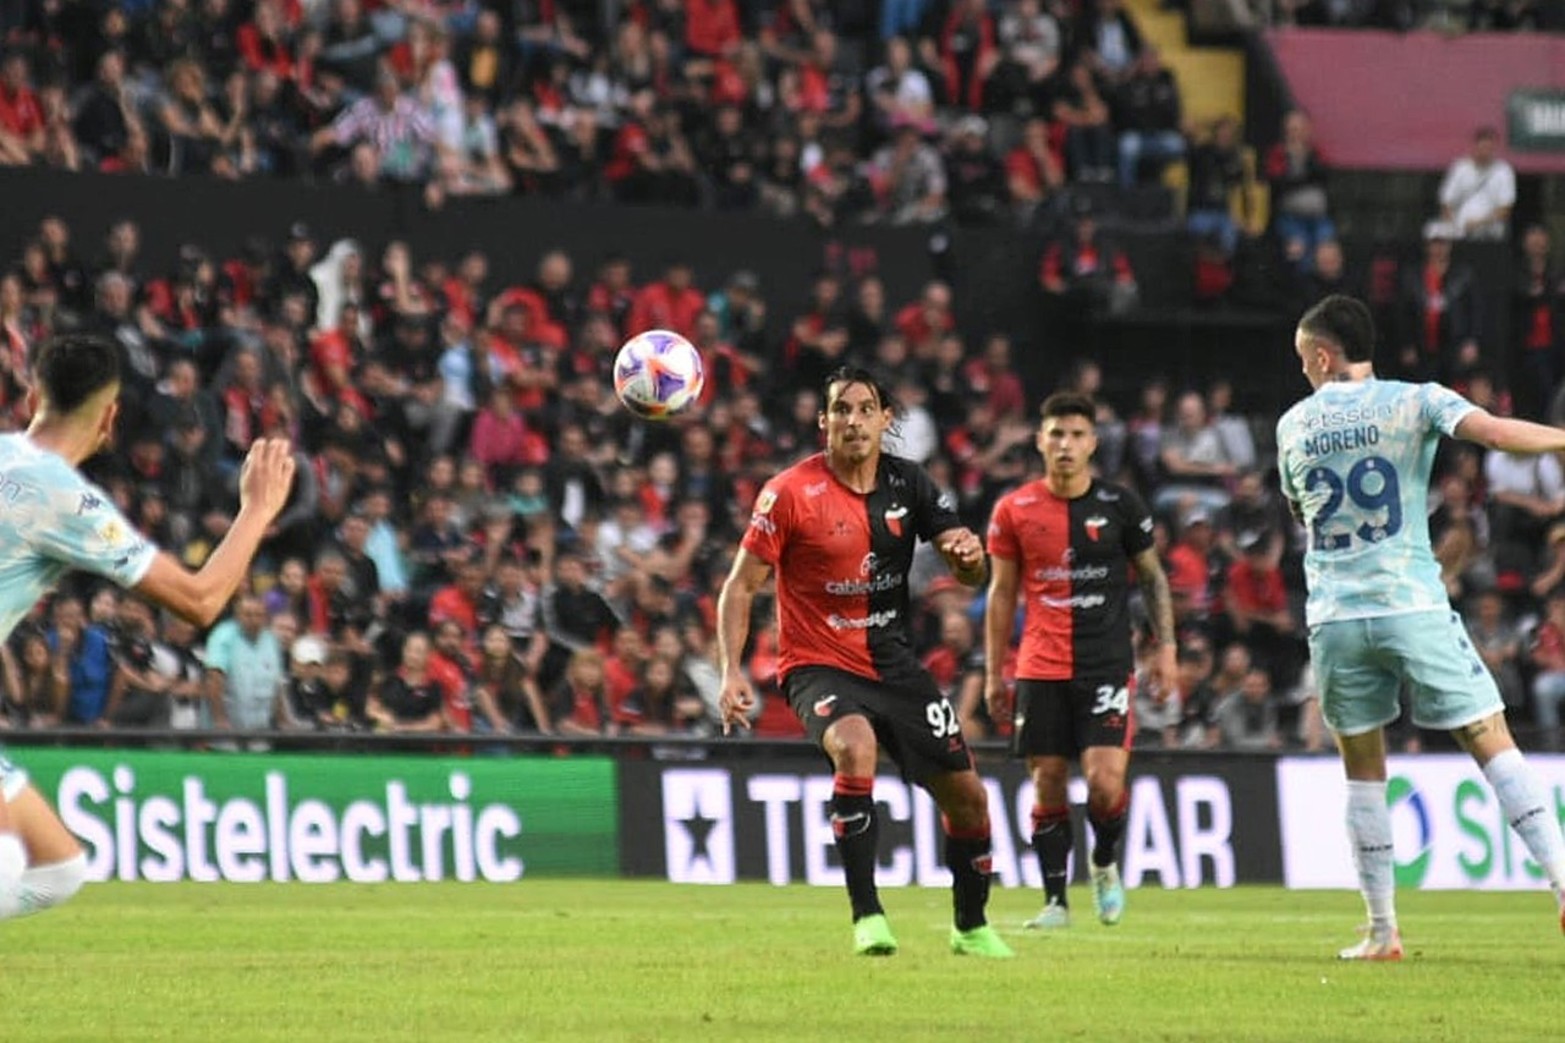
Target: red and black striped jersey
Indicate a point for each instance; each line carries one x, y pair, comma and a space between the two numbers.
1073, 565
842, 561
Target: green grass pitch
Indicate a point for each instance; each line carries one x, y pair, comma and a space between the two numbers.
611, 960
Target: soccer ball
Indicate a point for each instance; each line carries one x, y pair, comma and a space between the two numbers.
658, 374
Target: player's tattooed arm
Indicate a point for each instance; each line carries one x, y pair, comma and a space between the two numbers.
1154, 590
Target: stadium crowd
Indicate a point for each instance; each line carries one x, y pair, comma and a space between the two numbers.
482, 539
907, 111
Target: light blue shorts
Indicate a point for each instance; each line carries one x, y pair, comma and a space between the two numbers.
12, 779
1361, 665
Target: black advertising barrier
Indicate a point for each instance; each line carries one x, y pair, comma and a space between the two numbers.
514, 231
1194, 821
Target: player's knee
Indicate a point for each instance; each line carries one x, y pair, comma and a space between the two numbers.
1050, 780
852, 748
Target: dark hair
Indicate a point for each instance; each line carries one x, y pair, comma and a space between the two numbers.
72, 368
859, 375
1344, 321
1068, 403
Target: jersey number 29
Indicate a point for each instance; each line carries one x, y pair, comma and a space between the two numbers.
1371, 486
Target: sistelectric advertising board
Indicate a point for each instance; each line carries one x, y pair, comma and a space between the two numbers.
1193, 822
1447, 826
249, 817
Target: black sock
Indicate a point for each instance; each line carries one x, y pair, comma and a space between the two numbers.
1051, 840
967, 856
1107, 831
853, 823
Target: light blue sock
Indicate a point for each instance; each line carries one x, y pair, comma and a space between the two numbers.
1529, 812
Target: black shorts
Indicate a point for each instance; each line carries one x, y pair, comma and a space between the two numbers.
913, 722
1063, 718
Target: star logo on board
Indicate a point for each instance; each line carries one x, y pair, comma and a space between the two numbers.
699, 828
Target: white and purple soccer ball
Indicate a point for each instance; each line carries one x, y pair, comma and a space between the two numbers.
658, 374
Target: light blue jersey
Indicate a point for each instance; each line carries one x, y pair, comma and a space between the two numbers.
1355, 457
53, 520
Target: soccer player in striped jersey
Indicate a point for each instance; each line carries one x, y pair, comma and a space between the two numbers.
838, 529
1065, 543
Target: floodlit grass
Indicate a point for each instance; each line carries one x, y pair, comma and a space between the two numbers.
615, 960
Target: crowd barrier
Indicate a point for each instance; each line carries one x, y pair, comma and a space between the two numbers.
370, 809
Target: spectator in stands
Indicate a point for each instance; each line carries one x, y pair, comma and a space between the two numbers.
35, 690
1202, 727
1498, 643
1031, 42
1232, 429
1190, 565
1217, 175
1034, 171
1479, 190
83, 664
909, 179
965, 52
410, 699
993, 376
1078, 104
1547, 655
1458, 530
21, 115
351, 46
138, 694
1301, 213
1255, 598
307, 704
1086, 275
1249, 722
245, 669
1440, 312
1112, 42
578, 705
504, 693
1194, 460
976, 179
899, 92
1537, 324
107, 112
658, 706
1526, 495
398, 128
1148, 116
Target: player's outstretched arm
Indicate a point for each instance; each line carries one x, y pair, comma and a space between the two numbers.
748, 575
200, 596
999, 621
1509, 434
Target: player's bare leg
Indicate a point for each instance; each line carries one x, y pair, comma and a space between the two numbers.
1108, 801
964, 812
53, 866
1526, 808
1051, 838
850, 743
1369, 835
